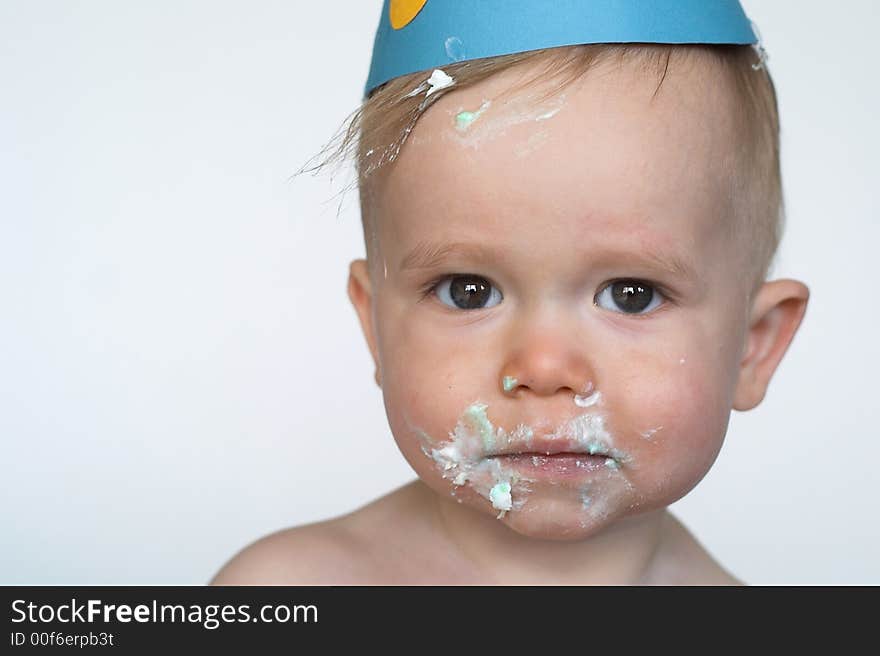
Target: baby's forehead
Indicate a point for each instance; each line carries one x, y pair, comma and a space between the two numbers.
695, 78
617, 113
607, 143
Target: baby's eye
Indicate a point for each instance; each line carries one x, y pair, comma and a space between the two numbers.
631, 296
465, 292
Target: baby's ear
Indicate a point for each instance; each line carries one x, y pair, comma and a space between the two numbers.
360, 292
777, 311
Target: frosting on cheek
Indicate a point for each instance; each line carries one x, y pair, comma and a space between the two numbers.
463, 459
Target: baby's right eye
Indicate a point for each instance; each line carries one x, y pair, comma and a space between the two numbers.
465, 292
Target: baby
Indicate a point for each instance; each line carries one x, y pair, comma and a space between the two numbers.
564, 296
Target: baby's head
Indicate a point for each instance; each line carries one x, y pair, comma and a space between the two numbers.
564, 292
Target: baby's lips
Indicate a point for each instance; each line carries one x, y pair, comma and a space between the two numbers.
549, 445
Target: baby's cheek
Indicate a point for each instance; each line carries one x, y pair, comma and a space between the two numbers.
422, 410
416, 358
674, 430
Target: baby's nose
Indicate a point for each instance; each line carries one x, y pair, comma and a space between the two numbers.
547, 371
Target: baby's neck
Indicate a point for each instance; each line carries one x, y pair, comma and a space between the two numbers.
628, 552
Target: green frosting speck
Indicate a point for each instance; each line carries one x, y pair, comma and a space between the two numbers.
477, 414
499, 495
464, 120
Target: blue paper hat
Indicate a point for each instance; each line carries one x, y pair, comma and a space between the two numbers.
416, 35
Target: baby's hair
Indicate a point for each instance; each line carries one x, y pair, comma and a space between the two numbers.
377, 130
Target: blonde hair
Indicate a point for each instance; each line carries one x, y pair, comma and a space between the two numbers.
378, 129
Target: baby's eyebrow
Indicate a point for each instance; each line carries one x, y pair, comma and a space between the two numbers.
427, 255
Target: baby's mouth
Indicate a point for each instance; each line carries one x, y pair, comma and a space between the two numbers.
502, 465
553, 447
558, 465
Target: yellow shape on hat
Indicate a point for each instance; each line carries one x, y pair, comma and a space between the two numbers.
402, 12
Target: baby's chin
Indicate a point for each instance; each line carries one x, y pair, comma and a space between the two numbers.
565, 516
557, 512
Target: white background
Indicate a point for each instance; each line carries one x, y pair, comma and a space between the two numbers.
180, 367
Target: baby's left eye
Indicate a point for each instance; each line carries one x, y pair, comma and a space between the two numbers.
632, 296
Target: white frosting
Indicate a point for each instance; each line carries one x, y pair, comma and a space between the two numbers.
466, 458
506, 115
587, 401
499, 495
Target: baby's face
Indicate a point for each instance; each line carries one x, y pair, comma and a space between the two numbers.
557, 317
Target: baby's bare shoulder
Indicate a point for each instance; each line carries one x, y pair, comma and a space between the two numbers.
387, 541
362, 547
324, 553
